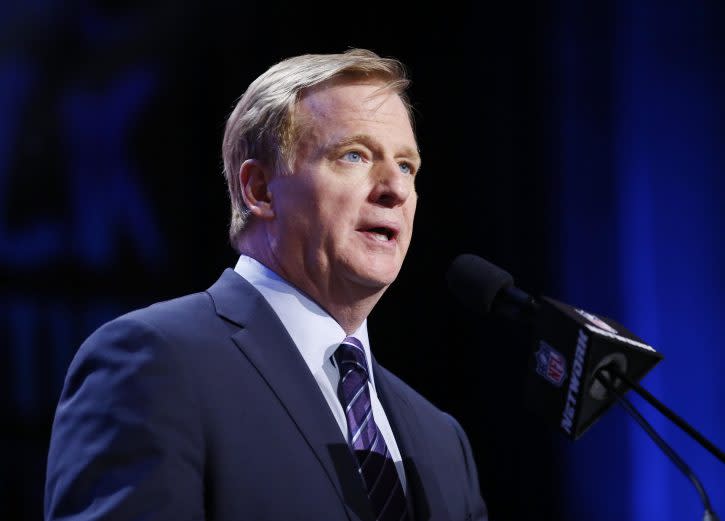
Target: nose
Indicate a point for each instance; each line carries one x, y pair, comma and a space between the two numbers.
391, 186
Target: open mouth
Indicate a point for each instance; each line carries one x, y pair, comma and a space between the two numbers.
380, 233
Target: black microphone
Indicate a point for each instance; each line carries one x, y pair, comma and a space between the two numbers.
570, 346
580, 364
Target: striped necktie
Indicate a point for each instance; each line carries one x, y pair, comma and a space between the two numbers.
375, 464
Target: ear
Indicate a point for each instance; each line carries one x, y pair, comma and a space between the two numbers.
254, 180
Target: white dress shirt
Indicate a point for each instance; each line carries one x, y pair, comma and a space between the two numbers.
317, 335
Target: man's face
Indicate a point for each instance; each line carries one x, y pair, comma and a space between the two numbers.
344, 217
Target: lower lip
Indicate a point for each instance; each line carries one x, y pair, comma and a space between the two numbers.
372, 238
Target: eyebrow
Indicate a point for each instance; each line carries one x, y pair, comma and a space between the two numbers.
371, 142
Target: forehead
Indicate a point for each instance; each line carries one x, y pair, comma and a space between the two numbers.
344, 102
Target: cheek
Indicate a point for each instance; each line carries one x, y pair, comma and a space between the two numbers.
339, 207
410, 209
333, 219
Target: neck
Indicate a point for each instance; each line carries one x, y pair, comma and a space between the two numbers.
350, 314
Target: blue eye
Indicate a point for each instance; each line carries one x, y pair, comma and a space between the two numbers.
406, 168
353, 156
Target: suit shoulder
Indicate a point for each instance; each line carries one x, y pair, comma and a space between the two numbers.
173, 310
182, 315
158, 320
171, 331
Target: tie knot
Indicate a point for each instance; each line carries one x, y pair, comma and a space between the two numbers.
351, 355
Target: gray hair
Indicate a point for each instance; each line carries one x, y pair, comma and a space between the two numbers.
261, 127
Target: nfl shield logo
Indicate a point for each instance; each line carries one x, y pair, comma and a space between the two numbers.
550, 364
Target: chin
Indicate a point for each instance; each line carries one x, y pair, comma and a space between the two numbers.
375, 279
373, 272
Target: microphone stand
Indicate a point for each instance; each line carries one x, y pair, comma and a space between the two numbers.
668, 413
605, 378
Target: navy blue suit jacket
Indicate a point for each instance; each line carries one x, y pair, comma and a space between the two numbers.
202, 408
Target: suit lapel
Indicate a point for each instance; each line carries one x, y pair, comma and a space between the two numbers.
265, 342
423, 486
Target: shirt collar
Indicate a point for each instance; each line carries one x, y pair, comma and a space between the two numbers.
315, 333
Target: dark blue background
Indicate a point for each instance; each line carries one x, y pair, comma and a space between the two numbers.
578, 144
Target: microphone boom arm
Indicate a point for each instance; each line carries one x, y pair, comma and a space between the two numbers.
668, 413
605, 379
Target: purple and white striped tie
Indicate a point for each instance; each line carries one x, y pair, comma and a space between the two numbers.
376, 466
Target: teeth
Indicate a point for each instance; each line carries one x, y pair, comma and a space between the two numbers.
379, 236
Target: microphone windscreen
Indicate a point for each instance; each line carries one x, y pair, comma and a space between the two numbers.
476, 282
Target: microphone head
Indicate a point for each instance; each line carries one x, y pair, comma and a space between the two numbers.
476, 282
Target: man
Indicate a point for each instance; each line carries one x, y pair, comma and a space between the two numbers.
259, 398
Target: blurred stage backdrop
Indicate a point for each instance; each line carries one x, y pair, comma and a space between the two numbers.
579, 145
